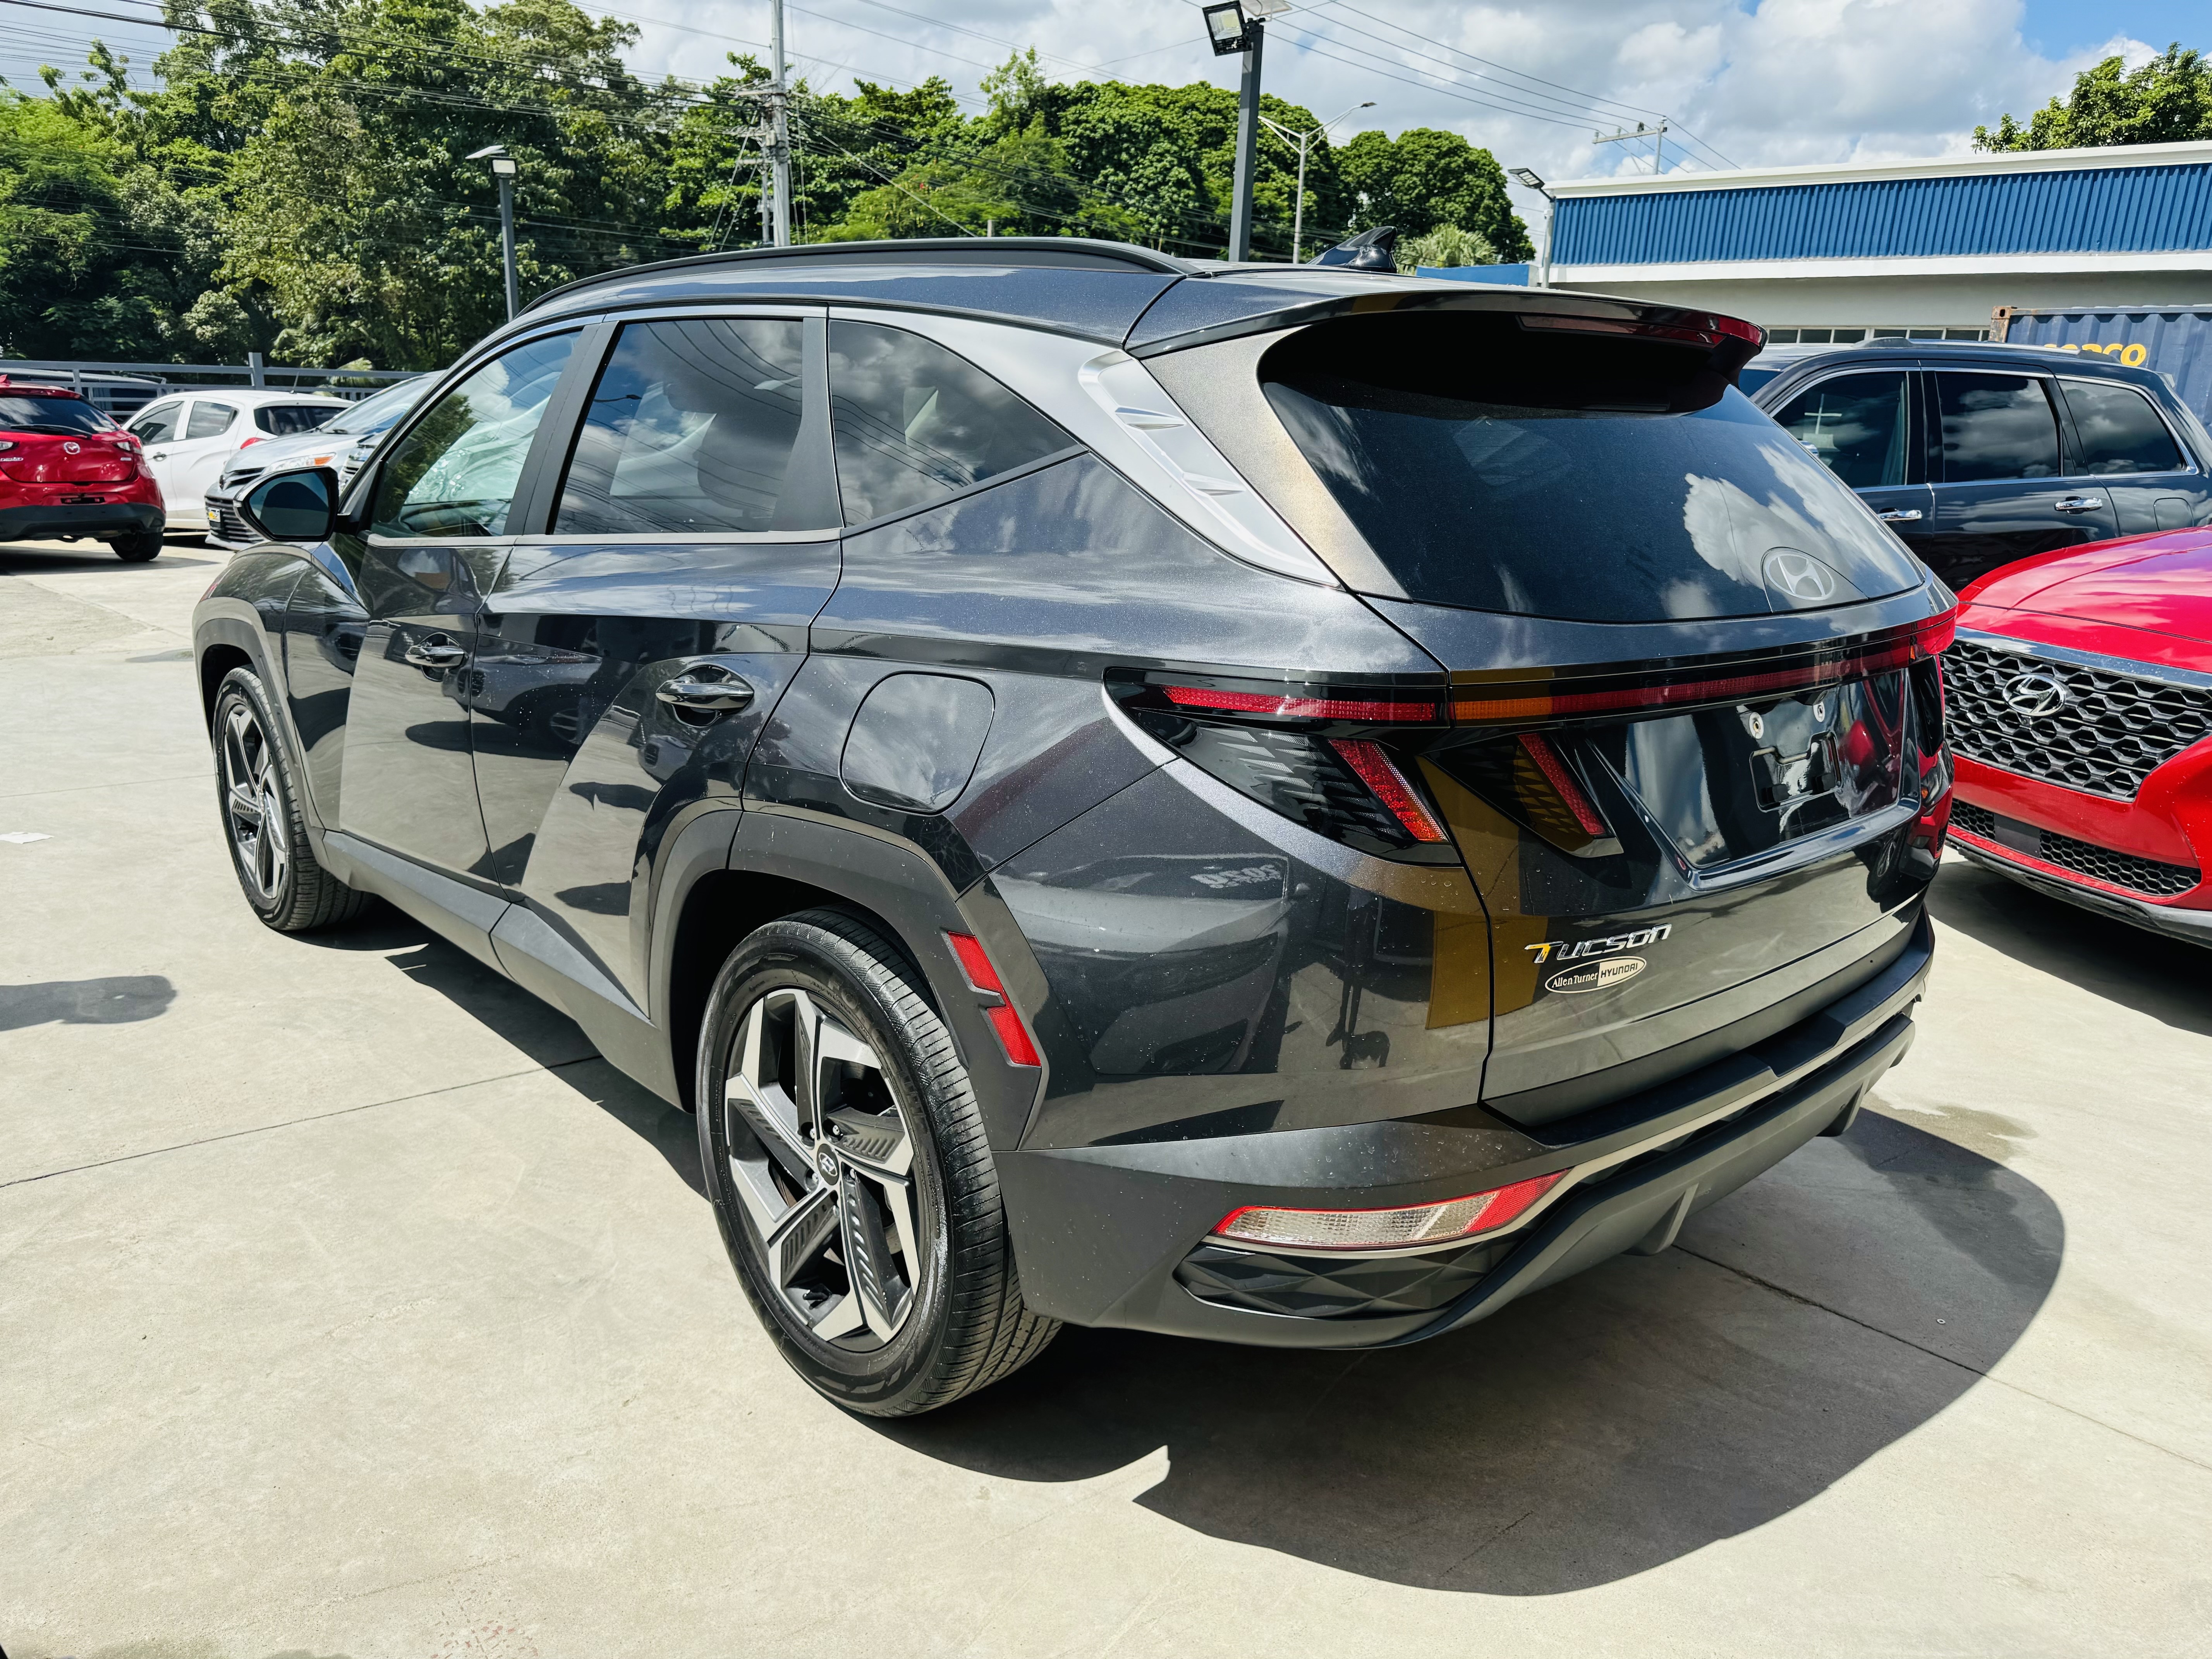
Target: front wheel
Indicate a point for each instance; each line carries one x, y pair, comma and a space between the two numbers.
139, 547
846, 1159
278, 870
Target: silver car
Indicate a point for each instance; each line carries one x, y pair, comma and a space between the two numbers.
344, 442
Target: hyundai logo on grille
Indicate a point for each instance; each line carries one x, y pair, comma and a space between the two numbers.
1799, 577
2038, 694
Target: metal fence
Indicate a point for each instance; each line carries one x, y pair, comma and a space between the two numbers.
122, 388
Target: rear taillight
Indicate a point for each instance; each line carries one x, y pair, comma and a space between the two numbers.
1406, 1226
983, 978
250, 442
1691, 327
1573, 694
1319, 755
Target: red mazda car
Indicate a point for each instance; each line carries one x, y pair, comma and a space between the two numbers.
2080, 696
66, 470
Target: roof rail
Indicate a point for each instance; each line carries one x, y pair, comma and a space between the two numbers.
1080, 253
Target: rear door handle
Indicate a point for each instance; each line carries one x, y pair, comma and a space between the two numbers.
707, 690
2078, 503
1900, 516
437, 651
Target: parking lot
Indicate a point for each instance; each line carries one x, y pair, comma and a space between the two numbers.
350, 1306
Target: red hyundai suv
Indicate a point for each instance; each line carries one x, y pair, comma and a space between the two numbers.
67, 471
2080, 709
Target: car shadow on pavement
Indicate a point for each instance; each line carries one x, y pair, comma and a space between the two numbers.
32, 558
1593, 1430
2165, 978
548, 1037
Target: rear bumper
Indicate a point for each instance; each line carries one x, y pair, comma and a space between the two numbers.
1117, 1235
57, 519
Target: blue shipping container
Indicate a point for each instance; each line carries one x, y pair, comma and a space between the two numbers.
2174, 340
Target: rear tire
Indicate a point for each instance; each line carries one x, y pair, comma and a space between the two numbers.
276, 865
139, 547
839, 1131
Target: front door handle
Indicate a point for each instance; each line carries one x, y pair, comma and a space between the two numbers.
1900, 516
2078, 503
437, 651
706, 689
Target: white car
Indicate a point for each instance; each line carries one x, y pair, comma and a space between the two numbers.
343, 444
187, 437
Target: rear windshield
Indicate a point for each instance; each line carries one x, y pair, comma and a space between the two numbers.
19, 413
287, 420
1577, 476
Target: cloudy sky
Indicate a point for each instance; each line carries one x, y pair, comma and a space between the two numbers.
1761, 82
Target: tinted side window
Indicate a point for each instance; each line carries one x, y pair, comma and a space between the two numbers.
158, 424
210, 421
282, 420
690, 428
913, 422
1855, 426
1996, 426
454, 472
2119, 430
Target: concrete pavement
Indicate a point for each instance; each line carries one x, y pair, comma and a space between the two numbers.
350, 1306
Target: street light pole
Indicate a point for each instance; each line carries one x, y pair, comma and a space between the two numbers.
1302, 139
502, 169
1247, 142
1527, 176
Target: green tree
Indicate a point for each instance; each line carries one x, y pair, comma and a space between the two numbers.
1424, 179
2167, 101
1445, 247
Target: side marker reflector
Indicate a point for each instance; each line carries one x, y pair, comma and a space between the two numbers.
1383, 1230
1014, 1036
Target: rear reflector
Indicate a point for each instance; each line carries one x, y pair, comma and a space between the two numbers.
1013, 1036
1378, 774
1565, 785
1383, 1230
1878, 653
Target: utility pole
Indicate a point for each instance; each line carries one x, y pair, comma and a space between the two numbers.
779, 152
1528, 177
1657, 136
1302, 140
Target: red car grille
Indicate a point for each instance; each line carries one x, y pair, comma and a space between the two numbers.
2103, 732
2100, 864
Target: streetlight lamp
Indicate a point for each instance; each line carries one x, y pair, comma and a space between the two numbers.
503, 168
1302, 139
1527, 176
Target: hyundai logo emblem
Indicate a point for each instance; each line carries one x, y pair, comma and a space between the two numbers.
2038, 694
1799, 577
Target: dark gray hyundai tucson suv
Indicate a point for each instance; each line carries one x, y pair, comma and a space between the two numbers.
1272, 804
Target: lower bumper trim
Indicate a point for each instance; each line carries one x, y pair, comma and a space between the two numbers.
2193, 926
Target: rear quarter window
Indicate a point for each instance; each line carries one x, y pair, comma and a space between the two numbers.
1582, 477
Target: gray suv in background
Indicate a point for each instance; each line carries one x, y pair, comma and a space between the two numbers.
1978, 455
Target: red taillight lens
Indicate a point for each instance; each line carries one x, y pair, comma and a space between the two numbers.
1389, 785
1403, 1227
1876, 654
1014, 1036
1311, 708
249, 443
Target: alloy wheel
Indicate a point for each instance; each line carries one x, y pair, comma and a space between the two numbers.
822, 1159
252, 805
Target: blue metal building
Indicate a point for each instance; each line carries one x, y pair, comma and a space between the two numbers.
1837, 252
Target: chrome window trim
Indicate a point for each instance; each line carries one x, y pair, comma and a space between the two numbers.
691, 539
2158, 674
